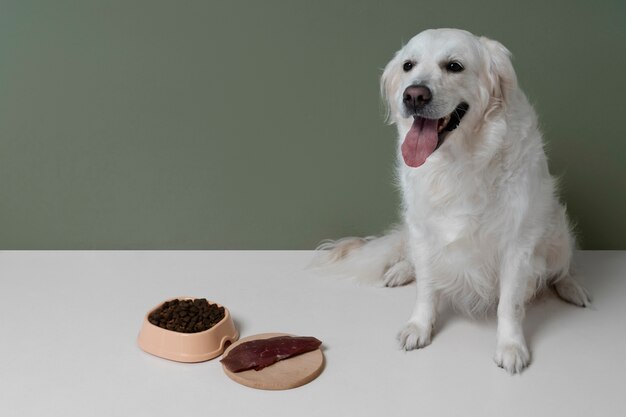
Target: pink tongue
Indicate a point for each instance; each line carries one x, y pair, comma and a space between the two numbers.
420, 141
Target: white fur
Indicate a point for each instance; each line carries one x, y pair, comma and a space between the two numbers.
482, 225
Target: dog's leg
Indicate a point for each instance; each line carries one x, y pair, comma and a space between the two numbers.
571, 291
511, 351
417, 332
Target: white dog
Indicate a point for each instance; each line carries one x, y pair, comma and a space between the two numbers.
482, 225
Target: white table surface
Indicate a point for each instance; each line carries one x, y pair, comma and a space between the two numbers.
69, 323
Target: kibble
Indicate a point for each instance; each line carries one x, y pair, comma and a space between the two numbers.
187, 316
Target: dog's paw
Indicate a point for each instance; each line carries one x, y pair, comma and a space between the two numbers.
413, 336
513, 357
572, 292
401, 273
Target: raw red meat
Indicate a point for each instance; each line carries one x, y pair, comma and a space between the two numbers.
257, 354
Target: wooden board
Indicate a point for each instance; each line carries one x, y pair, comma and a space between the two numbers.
285, 374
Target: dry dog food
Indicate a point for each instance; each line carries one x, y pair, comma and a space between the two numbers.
257, 354
187, 316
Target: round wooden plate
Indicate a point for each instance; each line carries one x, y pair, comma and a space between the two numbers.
285, 374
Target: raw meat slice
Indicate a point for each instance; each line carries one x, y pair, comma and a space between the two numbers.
260, 353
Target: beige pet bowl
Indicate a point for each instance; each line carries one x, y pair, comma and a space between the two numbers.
187, 347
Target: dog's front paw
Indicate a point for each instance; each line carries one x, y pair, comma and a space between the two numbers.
413, 336
513, 357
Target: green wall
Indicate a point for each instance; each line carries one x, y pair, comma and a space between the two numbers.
257, 124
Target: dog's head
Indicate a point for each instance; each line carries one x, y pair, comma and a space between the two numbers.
443, 83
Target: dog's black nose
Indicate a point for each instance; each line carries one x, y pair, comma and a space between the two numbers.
416, 96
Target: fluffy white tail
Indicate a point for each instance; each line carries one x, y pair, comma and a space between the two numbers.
372, 260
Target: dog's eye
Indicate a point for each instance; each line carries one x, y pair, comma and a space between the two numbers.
408, 65
454, 66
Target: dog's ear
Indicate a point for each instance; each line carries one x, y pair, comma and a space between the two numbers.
388, 85
501, 73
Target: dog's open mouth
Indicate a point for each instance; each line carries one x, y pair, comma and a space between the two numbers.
426, 135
